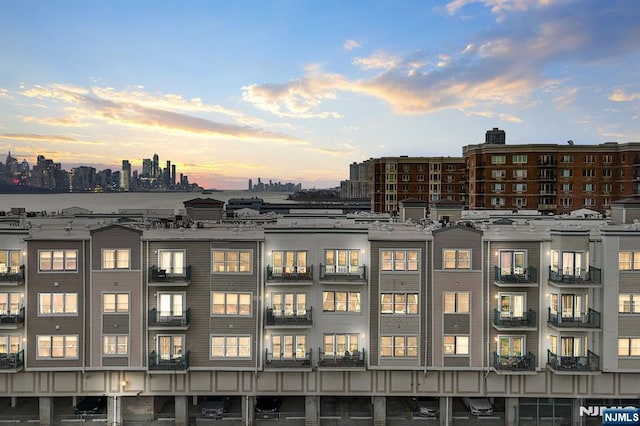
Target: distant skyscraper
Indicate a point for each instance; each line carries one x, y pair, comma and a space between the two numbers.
147, 167
173, 175
125, 177
495, 137
156, 166
250, 184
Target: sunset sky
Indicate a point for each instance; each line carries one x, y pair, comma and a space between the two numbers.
297, 90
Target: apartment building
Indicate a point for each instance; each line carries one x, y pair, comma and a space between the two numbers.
550, 178
540, 315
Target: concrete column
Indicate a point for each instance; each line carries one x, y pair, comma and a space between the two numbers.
114, 410
511, 414
181, 411
46, 410
379, 410
248, 409
446, 411
311, 410
14, 401
577, 420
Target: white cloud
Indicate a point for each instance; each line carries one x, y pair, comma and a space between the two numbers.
351, 44
377, 61
620, 96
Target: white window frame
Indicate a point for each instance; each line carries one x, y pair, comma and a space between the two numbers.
629, 347
175, 301
458, 346
66, 346
399, 303
232, 346
233, 303
629, 303
511, 339
232, 261
115, 345
69, 304
10, 261
120, 259
399, 346
172, 268
10, 302
352, 302
289, 346
177, 346
10, 343
400, 260
119, 299
68, 258
459, 299
341, 261
508, 261
632, 264
290, 261
336, 344
289, 303
456, 259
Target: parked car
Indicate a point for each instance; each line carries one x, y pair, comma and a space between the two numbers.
268, 404
215, 407
92, 405
426, 406
478, 406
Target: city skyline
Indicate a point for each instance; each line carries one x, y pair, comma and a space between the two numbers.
297, 91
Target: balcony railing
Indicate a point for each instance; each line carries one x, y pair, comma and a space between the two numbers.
169, 319
11, 361
591, 362
527, 319
157, 275
13, 275
292, 361
514, 363
346, 360
592, 276
589, 320
290, 274
12, 318
295, 318
342, 273
527, 276
173, 363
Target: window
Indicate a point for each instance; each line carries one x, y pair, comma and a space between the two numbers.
589, 158
10, 303
567, 262
289, 346
589, 187
116, 258
227, 303
172, 261
546, 160
115, 344
519, 159
456, 345
589, 202
420, 178
9, 261
115, 303
512, 305
497, 201
498, 159
171, 305
399, 260
289, 262
497, 174
566, 187
629, 303
629, 260
497, 187
57, 347
573, 306
231, 261
519, 187
607, 173
58, 260
457, 259
338, 344
629, 346
566, 159
50, 304
230, 346
399, 303
513, 262
10, 343
339, 261
589, 173
510, 345
566, 202
399, 346
606, 188
457, 302
170, 347
341, 301
566, 173
554, 303
288, 304
607, 158
520, 173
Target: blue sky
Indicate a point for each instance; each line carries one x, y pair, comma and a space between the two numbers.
297, 90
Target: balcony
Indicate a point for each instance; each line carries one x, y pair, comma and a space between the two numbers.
514, 363
547, 207
527, 320
526, 278
356, 359
589, 320
173, 363
280, 274
164, 277
11, 361
282, 318
573, 364
12, 320
293, 361
169, 320
590, 278
12, 276
334, 273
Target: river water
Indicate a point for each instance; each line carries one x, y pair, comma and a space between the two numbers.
112, 202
